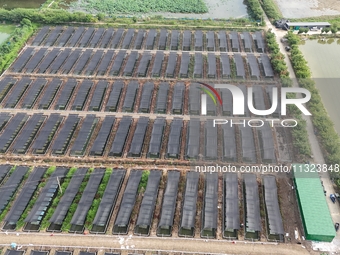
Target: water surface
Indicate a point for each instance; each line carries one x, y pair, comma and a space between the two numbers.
323, 59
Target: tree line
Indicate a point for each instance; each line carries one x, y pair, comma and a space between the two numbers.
324, 126
45, 16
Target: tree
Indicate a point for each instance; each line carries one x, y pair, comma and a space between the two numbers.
100, 16
334, 29
26, 22
325, 29
292, 38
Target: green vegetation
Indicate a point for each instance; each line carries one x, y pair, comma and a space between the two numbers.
21, 221
95, 204
8, 29
10, 48
45, 16
334, 20
160, 22
112, 7
67, 221
254, 9
329, 139
144, 180
299, 133
61, 16
271, 10
45, 223
303, 30
277, 58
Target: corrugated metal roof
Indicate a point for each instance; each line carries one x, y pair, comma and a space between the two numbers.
302, 24
314, 209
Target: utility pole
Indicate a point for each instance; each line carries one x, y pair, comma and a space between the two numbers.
61, 191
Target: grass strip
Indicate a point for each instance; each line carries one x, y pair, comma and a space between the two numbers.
67, 221
45, 223
48, 173
95, 204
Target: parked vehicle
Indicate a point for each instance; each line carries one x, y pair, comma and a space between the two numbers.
336, 226
332, 197
337, 196
287, 48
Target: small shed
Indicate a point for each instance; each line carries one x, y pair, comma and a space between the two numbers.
310, 25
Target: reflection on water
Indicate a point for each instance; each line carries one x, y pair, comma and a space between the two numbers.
323, 59
330, 41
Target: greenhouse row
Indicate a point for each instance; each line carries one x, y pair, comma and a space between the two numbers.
134, 64
72, 135
148, 39
101, 187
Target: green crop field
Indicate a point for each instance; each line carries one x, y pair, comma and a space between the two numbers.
141, 6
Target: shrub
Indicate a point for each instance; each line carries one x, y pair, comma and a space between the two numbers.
46, 16
144, 180
255, 9
270, 9
10, 48
325, 30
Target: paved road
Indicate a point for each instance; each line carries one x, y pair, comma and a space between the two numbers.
316, 150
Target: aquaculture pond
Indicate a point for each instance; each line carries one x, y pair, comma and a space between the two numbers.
323, 59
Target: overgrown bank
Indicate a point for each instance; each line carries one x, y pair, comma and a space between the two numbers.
44, 16
9, 49
271, 10
324, 126
111, 7
299, 133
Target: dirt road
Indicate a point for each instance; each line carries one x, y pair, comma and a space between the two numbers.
157, 244
315, 147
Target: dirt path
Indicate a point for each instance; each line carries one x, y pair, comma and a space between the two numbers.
156, 244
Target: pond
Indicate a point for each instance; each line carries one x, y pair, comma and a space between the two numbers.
308, 8
10, 4
5, 32
323, 59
